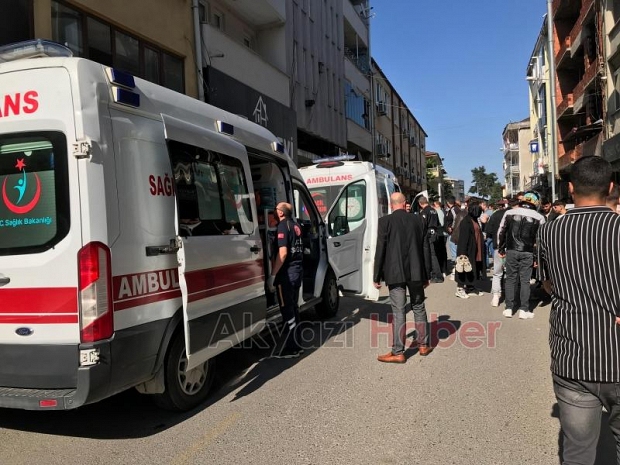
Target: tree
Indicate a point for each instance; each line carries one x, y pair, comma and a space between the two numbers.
485, 185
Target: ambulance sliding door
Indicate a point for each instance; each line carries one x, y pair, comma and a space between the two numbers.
220, 254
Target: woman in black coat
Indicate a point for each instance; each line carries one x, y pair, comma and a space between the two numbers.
471, 245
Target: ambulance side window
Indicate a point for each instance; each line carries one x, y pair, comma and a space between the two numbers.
350, 210
211, 190
383, 197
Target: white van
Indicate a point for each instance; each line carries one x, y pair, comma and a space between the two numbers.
352, 196
134, 226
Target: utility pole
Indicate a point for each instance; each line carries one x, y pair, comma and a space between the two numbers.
552, 122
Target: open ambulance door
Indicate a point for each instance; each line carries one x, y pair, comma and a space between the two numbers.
346, 225
219, 251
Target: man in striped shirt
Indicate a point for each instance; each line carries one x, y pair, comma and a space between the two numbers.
579, 257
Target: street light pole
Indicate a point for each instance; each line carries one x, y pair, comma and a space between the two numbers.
552, 121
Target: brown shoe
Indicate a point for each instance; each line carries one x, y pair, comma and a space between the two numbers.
424, 350
391, 358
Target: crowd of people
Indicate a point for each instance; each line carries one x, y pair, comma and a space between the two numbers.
572, 253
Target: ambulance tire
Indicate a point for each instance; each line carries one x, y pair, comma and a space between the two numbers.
330, 297
184, 390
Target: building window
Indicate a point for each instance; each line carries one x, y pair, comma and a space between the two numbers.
356, 106
99, 42
15, 22
127, 53
217, 20
67, 27
92, 38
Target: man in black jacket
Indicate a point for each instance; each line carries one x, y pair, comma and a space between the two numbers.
516, 240
399, 261
433, 230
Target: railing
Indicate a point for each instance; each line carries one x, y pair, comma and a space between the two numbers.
360, 61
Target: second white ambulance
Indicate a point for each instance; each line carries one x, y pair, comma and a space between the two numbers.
352, 196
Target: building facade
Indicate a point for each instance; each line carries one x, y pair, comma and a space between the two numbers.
517, 156
580, 78
458, 188
611, 146
400, 140
301, 68
543, 147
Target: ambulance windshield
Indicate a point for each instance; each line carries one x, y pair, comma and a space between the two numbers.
33, 178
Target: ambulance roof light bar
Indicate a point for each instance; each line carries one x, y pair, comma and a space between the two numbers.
341, 157
33, 49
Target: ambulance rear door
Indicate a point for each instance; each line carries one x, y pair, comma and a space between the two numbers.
347, 223
219, 248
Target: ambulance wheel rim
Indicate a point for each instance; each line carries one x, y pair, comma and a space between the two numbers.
332, 294
192, 381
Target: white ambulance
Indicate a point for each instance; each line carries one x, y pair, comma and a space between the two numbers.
134, 234
352, 196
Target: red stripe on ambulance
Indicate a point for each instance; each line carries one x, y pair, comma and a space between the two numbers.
39, 300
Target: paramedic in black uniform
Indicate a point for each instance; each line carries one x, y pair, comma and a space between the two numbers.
285, 279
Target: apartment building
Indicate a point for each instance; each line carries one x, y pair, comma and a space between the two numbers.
245, 63
113, 33
400, 141
301, 68
580, 80
357, 84
435, 175
517, 158
458, 188
543, 149
611, 146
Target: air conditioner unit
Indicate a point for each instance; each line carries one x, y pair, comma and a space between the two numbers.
412, 141
406, 133
382, 149
381, 108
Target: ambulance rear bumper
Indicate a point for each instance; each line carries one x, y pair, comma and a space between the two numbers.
82, 385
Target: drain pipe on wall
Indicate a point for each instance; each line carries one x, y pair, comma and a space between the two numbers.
198, 51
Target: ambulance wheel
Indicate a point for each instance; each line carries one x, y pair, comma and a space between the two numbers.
330, 297
185, 389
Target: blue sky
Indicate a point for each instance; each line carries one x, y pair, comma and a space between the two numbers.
460, 67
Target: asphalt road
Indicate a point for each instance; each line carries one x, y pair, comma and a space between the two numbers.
484, 396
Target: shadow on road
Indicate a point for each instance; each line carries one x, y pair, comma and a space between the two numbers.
131, 415
244, 369
606, 448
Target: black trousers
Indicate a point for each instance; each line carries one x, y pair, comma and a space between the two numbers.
287, 290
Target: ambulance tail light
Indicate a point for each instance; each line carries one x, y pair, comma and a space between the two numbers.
95, 287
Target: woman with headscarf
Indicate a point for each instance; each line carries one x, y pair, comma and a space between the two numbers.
470, 245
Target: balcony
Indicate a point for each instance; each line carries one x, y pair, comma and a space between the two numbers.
570, 156
511, 170
259, 13
246, 66
359, 60
564, 53
511, 147
355, 22
565, 108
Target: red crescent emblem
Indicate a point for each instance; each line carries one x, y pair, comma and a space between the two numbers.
26, 208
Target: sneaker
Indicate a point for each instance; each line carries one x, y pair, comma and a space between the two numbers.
460, 292
474, 291
523, 315
507, 313
451, 276
495, 300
